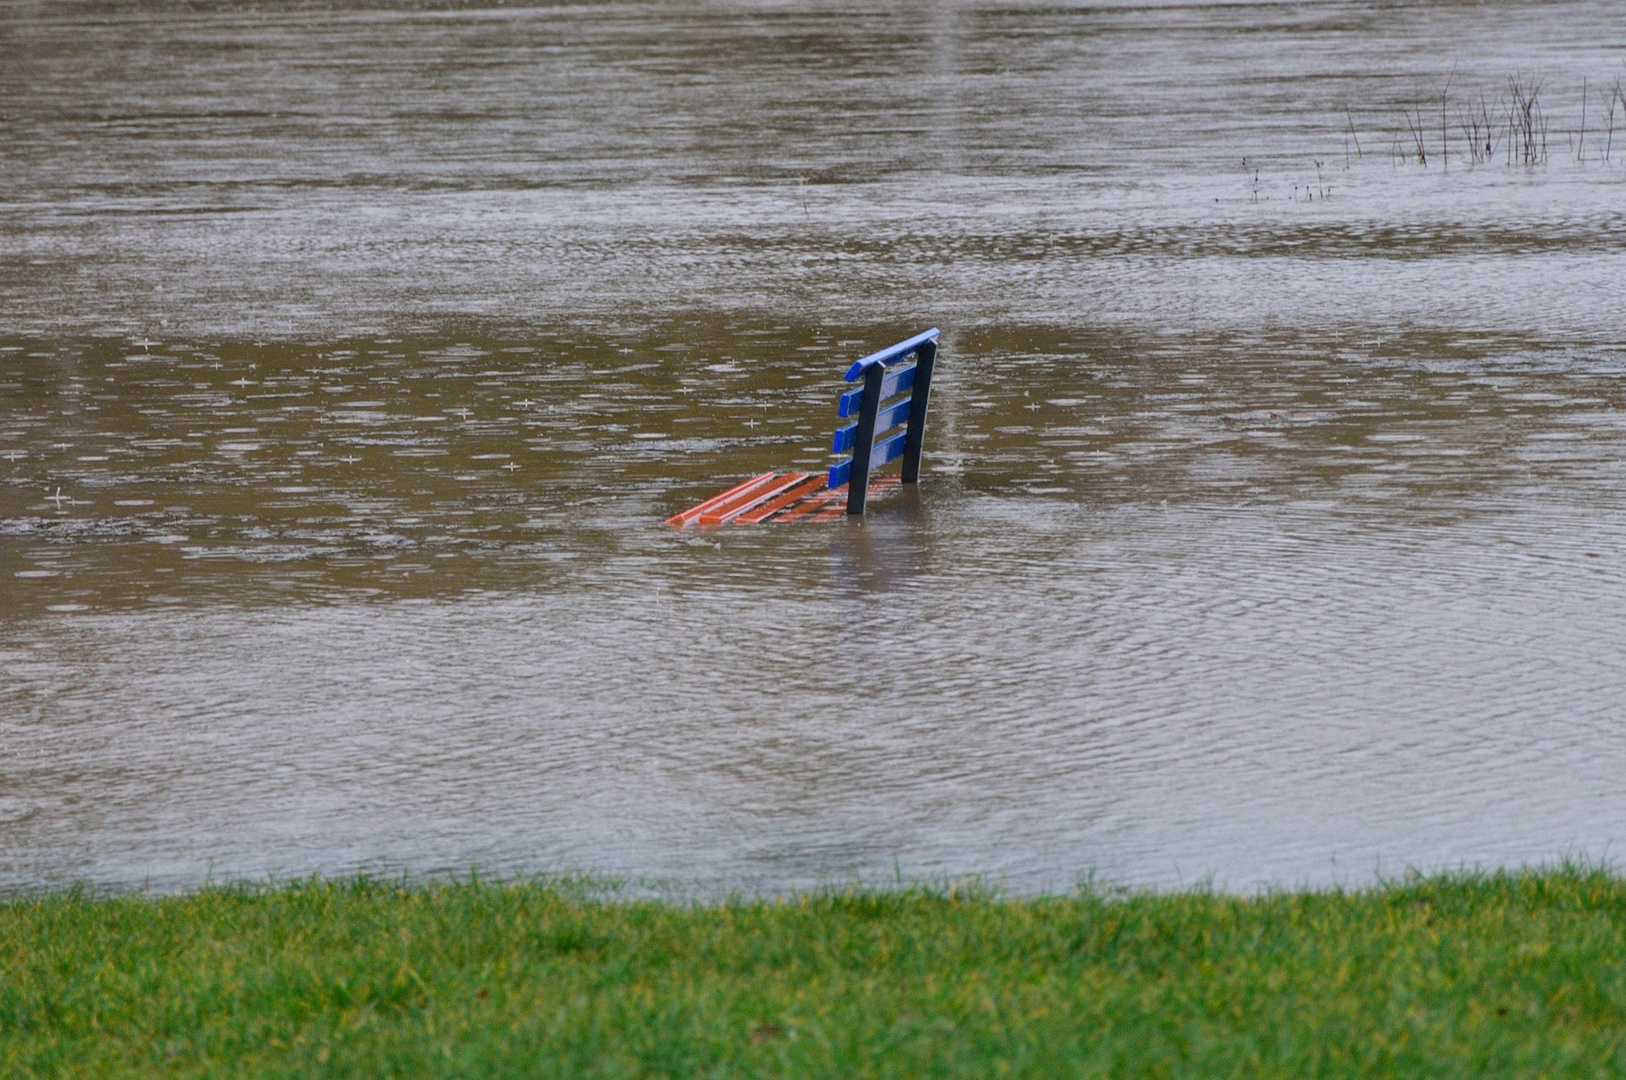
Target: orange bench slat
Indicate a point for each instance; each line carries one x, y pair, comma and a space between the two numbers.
814, 503
697, 509
725, 512
807, 486
877, 488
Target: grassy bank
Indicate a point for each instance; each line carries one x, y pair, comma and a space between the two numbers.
1508, 975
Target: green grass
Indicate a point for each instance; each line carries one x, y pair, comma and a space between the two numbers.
1494, 975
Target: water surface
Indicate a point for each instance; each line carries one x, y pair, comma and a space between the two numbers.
351, 359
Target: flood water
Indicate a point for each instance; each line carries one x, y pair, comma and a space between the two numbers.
1271, 525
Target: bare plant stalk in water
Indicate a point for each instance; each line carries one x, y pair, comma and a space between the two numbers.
1580, 143
1445, 94
1527, 124
1414, 128
1480, 129
1617, 99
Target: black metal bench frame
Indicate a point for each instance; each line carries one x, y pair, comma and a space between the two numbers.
885, 375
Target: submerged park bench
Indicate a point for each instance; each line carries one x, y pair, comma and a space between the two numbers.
794, 496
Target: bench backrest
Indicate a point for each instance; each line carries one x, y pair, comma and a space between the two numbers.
885, 375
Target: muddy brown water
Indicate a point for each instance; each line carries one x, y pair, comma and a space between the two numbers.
351, 357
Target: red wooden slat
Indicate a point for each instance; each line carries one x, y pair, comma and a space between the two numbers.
815, 502
773, 506
696, 510
877, 488
725, 512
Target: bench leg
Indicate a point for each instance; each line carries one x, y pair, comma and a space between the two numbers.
925, 357
864, 438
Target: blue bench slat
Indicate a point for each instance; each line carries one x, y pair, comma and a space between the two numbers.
889, 449
885, 450
890, 353
896, 382
888, 418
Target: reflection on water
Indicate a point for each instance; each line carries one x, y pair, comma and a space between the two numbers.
351, 361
